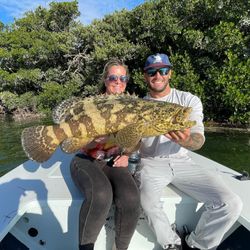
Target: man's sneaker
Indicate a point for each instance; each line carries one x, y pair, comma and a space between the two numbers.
186, 234
174, 247
186, 246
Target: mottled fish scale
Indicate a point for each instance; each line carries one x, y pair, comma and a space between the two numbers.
127, 118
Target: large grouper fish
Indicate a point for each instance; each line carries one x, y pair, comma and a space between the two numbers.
126, 118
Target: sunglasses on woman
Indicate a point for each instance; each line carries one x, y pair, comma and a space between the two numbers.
113, 78
162, 71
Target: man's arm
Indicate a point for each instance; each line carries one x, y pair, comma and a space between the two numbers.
194, 142
187, 140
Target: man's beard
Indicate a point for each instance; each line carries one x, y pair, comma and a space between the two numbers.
158, 90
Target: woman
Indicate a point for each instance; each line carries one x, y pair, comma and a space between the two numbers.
103, 182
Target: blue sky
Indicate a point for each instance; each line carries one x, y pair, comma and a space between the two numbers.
90, 9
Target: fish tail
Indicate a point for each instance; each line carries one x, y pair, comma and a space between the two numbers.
40, 142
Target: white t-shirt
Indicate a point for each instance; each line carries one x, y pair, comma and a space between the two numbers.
161, 146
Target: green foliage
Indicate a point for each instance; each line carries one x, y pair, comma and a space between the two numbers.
12, 101
232, 84
223, 37
53, 93
28, 100
59, 17
184, 75
140, 87
21, 81
1, 26
51, 55
9, 100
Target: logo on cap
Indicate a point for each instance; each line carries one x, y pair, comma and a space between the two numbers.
157, 59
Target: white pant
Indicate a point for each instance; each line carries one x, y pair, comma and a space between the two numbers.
223, 207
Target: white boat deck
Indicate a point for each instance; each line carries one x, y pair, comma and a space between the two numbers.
239, 187
32, 192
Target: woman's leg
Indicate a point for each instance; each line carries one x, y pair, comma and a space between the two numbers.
127, 203
96, 188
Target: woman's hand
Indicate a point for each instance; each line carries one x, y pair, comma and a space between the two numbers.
101, 139
121, 161
95, 142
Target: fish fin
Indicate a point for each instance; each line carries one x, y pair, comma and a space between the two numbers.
38, 143
74, 105
129, 137
62, 112
73, 144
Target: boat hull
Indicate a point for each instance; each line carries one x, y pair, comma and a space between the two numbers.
42, 207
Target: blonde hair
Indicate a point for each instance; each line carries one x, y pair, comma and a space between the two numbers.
113, 62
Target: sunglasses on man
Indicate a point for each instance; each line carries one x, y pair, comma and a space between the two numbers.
152, 72
114, 78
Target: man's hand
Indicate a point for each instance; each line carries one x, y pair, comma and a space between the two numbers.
121, 161
187, 140
180, 136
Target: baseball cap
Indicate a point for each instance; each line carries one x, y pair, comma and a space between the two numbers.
156, 61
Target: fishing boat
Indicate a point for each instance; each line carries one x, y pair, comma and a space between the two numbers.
40, 206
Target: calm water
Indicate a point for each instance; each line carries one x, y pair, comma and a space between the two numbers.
230, 149
11, 153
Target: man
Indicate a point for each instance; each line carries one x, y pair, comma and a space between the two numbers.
165, 160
